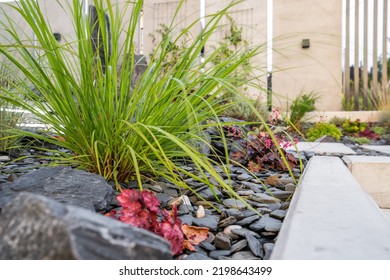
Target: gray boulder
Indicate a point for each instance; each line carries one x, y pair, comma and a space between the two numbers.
63, 184
36, 227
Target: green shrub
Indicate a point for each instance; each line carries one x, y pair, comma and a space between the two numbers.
353, 126
379, 130
302, 105
114, 128
361, 140
322, 129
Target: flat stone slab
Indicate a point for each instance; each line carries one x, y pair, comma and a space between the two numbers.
385, 149
329, 149
331, 218
373, 175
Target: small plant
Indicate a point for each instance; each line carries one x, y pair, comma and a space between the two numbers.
323, 129
367, 133
353, 126
302, 105
142, 209
379, 130
259, 152
361, 140
337, 121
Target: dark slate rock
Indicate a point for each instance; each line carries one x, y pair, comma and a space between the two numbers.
268, 247
255, 246
263, 198
265, 221
208, 221
243, 232
222, 241
278, 214
227, 222
238, 246
187, 219
208, 246
274, 206
234, 203
282, 194
197, 257
234, 212
208, 194
248, 220
244, 177
244, 255
36, 227
219, 253
253, 186
63, 184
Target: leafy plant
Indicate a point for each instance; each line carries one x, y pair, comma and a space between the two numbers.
323, 129
122, 131
361, 140
367, 133
300, 106
337, 121
354, 126
141, 209
378, 130
259, 151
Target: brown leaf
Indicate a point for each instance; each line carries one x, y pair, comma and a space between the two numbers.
272, 180
195, 235
187, 245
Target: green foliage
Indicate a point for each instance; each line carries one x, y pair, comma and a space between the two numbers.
112, 127
322, 129
9, 117
353, 126
361, 140
302, 105
379, 130
337, 121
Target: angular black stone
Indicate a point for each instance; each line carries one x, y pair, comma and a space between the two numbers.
36, 227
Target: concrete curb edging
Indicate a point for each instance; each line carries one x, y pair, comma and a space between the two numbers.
331, 217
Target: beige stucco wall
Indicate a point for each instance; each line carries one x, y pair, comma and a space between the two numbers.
318, 68
251, 15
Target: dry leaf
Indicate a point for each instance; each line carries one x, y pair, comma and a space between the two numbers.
195, 235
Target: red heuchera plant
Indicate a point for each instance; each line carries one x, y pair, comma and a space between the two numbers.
141, 209
259, 152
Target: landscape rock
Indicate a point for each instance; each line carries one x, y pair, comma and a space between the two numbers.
268, 247
210, 222
244, 255
266, 221
263, 198
36, 227
219, 253
228, 231
238, 246
197, 257
234, 203
63, 184
255, 246
278, 214
222, 241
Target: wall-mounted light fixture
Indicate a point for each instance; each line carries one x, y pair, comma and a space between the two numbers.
305, 43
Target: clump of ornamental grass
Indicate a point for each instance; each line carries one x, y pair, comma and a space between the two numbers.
9, 116
120, 129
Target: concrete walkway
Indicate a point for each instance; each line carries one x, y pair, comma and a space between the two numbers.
385, 149
386, 212
332, 218
328, 149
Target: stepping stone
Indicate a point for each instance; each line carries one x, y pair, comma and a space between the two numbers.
385, 149
329, 149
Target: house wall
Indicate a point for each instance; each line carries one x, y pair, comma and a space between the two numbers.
315, 69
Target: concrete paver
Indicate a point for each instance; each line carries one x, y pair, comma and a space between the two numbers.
328, 149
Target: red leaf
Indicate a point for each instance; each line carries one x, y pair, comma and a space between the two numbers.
150, 200
127, 197
172, 233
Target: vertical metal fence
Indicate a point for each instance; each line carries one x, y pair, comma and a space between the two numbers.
366, 84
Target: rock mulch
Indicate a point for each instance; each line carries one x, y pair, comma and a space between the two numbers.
236, 230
